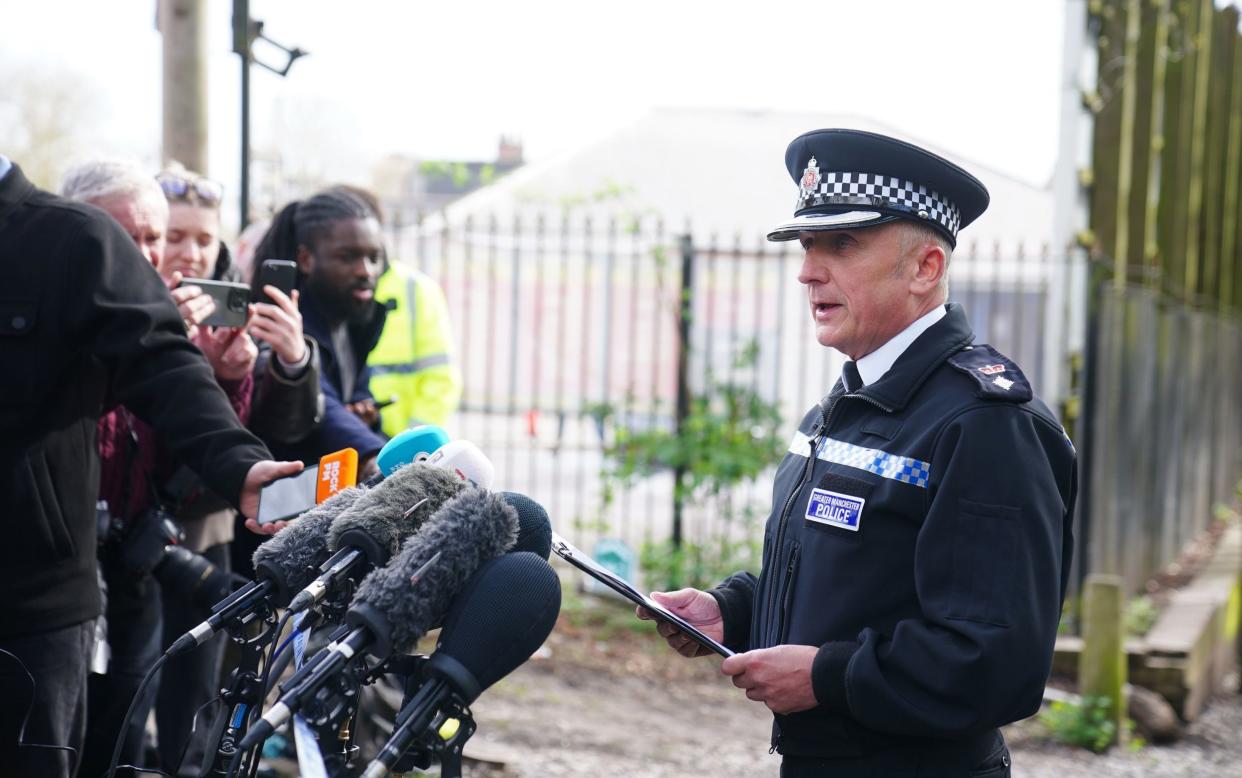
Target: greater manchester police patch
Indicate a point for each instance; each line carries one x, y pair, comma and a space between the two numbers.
835, 509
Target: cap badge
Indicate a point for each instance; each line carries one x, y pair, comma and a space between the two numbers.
810, 177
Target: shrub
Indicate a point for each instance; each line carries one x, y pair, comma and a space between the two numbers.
1086, 725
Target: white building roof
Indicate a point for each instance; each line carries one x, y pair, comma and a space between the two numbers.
722, 171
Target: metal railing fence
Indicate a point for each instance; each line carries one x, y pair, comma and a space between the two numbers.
558, 316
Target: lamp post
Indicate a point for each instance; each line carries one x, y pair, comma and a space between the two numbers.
245, 32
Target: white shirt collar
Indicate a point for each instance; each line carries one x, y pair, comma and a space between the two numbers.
5, 165
873, 366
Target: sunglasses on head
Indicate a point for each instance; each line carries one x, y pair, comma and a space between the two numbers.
178, 187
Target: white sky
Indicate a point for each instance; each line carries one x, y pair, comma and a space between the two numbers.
445, 79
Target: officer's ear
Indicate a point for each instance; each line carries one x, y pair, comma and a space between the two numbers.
929, 262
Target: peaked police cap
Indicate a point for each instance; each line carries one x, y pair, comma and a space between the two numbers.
850, 178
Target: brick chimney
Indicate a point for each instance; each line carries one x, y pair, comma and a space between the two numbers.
510, 151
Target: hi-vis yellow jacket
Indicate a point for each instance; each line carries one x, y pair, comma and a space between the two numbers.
412, 364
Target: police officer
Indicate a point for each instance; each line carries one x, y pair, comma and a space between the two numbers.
918, 549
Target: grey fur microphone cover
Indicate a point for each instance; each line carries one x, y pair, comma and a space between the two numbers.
380, 511
468, 530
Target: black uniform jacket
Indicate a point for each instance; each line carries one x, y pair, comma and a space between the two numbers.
86, 323
920, 536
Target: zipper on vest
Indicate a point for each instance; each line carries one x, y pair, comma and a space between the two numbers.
782, 617
815, 438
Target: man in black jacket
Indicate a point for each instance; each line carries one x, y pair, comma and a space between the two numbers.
84, 322
918, 548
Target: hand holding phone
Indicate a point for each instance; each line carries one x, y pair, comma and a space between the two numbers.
277, 319
232, 301
280, 273
287, 497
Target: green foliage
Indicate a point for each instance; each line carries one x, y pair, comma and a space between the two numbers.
730, 435
1068, 625
1225, 514
1087, 725
601, 617
457, 172
1141, 614
702, 566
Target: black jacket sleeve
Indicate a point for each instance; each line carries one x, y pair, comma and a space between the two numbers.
736, 596
120, 306
989, 572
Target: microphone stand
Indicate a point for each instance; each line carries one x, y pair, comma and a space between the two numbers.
244, 693
438, 720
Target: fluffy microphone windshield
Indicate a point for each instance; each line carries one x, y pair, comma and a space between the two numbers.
380, 512
290, 558
467, 531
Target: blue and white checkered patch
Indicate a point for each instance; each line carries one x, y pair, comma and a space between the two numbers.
864, 189
905, 469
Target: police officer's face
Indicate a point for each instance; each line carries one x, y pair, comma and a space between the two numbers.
861, 292
343, 266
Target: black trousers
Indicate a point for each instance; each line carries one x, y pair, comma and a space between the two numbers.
990, 760
190, 681
43, 688
134, 618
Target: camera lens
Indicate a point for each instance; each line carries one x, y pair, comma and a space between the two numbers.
193, 576
238, 299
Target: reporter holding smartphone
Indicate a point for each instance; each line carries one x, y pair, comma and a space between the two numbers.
89, 325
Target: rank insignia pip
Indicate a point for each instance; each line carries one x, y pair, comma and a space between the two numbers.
985, 366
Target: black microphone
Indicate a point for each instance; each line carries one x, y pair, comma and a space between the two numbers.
284, 564
534, 527
377, 523
399, 603
504, 614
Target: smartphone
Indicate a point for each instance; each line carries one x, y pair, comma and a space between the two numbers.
280, 273
232, 300
288, 497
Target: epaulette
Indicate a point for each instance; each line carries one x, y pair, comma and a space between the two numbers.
997, 376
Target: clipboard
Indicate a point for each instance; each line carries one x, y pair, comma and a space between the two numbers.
586, 564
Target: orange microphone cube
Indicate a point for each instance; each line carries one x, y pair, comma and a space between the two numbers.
337, 472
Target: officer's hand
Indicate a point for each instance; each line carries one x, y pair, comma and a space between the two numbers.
779, 677
698, 608
262, 473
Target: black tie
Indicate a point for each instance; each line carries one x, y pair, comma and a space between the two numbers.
850, 377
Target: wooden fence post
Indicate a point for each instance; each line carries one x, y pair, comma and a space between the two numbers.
1102, 663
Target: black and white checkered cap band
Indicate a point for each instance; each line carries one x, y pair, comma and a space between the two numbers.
874, 191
